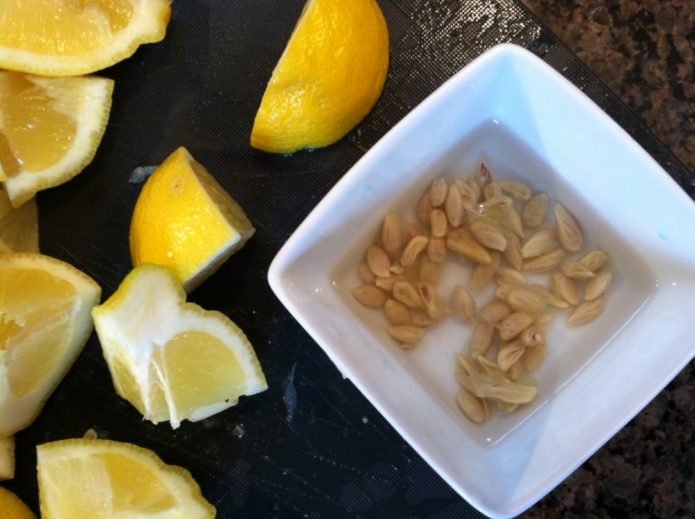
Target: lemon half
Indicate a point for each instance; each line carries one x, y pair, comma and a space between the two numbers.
327, 80
89, 479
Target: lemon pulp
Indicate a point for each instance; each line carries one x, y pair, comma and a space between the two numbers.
69, 37
45, 321
83, 479
19, 227
50, 129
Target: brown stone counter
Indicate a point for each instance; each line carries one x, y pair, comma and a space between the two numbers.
644, 51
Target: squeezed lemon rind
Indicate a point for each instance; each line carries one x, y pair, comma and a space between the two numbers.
131, 309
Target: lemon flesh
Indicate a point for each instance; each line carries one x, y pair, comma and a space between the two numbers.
12, 507
45, 321
69, 38
6, 458
50, 129
87, 479
186, 221
19, 228
329, 77
173, 360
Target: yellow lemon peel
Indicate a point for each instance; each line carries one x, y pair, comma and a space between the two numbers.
327, 80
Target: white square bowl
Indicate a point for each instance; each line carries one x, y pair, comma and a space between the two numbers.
527, 122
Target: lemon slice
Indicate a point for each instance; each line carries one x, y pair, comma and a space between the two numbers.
173, 360
50, 129
69, 37
185, 220
45, 321
327, 80
12, 507
19, 228
91, 479
6, 458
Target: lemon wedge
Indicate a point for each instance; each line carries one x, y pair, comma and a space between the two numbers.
45, 321
186, 221
69, 37
89, 479
173, 360
6, 458
19, 228
327, 80
50, 129
12, 507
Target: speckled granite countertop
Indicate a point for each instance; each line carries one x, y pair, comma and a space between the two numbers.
644, 51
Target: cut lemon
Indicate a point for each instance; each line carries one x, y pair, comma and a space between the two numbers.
12, 507
50, 129
19, 228
173, 360
45, 321
91, 479
73, 37
6, 458
328, 79
186, 221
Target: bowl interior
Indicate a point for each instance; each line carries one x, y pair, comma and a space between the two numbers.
432, 364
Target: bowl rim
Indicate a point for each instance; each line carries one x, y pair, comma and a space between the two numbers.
291, 250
